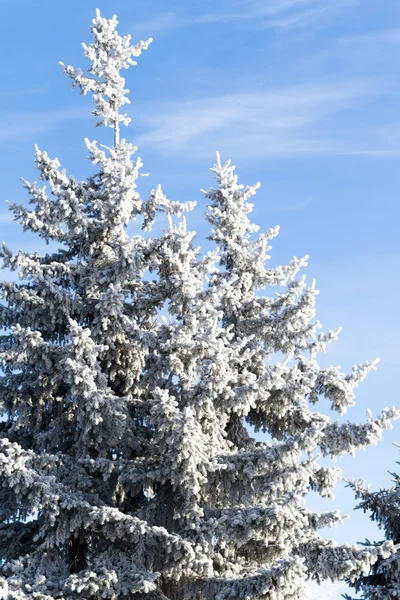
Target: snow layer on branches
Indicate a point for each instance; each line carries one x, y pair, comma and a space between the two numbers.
127, 465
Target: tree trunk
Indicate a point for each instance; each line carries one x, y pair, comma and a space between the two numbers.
77, 547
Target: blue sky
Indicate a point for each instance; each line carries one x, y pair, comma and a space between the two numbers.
303, 95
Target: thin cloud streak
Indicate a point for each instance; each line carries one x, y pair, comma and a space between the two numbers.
276, 6
23, 92
270, 123
6, 217
296, 206
22, 125
280, 14
298, 20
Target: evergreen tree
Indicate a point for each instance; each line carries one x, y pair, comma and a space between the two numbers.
382, 582
127, 465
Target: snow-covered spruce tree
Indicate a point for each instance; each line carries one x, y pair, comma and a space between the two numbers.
127, 468
382, 582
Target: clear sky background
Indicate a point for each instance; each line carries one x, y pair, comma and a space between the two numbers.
303, 95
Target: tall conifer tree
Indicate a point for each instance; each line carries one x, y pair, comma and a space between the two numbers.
382, 582
127, 465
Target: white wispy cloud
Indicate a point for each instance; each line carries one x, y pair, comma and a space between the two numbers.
268, 123
6, 217
287, 9
19, 125
275, 6
276, 14
296, 206
23, 92
161, 22
299, 19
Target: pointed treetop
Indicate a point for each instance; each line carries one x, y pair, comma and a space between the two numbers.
109, 54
